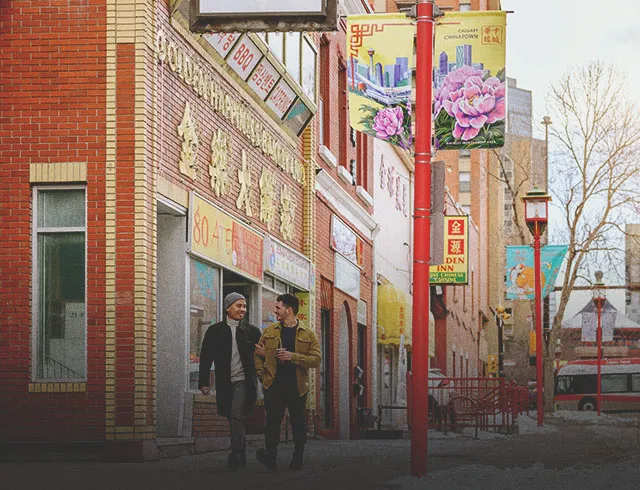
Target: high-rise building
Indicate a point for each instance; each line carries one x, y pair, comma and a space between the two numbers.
632, 272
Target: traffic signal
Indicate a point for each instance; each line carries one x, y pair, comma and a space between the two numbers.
492, 363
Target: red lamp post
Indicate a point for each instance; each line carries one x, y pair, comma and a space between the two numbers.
599, 297
536, 206
422, 236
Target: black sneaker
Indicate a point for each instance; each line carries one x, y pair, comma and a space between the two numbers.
233, 462
296, 460
264, 458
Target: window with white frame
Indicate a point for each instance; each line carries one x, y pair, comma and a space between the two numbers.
59, 242
465, 181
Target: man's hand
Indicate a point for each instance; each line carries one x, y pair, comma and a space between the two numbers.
205, 390
260, 350
284, 355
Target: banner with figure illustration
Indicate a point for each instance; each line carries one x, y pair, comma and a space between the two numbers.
379, 76
520, 282
469, 107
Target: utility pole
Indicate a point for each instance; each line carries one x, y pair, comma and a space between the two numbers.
422, 237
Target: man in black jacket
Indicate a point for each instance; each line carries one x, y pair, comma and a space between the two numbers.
230, 345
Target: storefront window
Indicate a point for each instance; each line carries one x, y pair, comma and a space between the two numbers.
204, 296
60, 352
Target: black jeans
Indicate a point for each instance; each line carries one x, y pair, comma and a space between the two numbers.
278, 397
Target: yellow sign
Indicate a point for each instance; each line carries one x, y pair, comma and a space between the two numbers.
455, 268
217, 236
469, 80
379, 76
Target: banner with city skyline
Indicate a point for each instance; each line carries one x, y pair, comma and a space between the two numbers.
469, 107
379, 77
520, 277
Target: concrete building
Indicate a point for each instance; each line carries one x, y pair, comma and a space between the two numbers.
520, 165
632, 271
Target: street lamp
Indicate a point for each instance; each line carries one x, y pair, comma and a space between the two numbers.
536, 215
501, 316
599, 297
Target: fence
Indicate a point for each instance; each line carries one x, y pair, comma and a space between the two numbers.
479, 403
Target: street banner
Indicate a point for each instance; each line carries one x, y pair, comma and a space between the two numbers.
455, 268
520, 282
469, 107
379, 76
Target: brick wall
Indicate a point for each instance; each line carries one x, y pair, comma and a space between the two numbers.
52, 109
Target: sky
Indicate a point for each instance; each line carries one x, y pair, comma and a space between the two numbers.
548, 38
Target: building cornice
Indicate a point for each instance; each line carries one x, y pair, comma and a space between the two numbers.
348, 206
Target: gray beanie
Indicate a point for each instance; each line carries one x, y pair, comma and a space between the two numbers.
232, 298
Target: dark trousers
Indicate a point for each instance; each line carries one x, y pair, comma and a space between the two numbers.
237, 418
278, 397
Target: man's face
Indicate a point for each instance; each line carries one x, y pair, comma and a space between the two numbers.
237, 310
281, 311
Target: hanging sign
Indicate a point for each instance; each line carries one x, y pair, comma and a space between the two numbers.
263, 15
520, 277
455, 269
469, 108
379, 76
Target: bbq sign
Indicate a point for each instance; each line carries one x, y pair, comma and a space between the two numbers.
263, 15
455, 269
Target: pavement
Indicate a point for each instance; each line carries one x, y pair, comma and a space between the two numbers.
370, 464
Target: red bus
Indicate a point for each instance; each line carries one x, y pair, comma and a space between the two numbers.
576, 385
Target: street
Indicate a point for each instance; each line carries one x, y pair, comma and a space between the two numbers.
569, 452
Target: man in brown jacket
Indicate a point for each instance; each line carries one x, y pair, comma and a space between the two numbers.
283, 357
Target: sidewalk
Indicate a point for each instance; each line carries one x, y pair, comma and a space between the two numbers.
565, 455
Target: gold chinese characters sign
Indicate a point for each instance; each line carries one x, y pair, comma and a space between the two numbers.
455, 269
197, 76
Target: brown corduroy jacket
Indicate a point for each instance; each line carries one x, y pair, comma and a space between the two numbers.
307, 355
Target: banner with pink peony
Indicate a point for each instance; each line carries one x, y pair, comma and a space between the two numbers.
379, 76
469, 106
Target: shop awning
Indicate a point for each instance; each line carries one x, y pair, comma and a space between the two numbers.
394, 316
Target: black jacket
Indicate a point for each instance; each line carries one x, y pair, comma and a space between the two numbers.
216, 348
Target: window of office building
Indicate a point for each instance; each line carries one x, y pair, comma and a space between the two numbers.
60, 277
465, 181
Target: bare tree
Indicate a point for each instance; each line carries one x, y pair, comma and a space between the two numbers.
595, 177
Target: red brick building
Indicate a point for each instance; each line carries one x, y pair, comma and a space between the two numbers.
146, 172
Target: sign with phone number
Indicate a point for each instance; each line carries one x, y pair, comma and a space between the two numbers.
217, 236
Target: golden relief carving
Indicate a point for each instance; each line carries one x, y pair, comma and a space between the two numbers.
287, 212
219, 167
188, 154
267, 198
209, 88
244, 178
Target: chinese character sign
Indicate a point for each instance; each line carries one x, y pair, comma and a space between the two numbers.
469, 107
455, 269
520, 282
379, 76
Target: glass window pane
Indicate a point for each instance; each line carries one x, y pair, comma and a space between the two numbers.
61, 306
614, 383
292, 56
61, 208
308, 69
268, 303
635, 382
276, 43
204, 297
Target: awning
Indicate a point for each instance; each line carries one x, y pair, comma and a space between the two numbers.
394, 316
